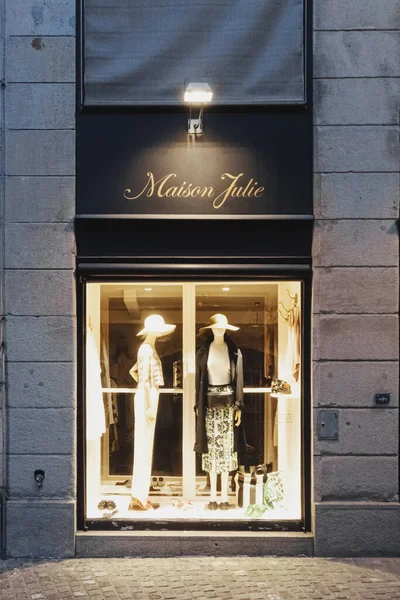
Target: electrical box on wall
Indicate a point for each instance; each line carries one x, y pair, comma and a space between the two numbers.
328, 425
382, 399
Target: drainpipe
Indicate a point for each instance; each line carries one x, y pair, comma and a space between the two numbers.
3, 385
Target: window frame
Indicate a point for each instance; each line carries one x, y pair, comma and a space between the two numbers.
303, 524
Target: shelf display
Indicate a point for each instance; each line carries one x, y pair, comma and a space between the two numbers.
237, 455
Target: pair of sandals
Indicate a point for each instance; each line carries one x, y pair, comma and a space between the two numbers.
255, 510
214, 505
157, 483
106, 505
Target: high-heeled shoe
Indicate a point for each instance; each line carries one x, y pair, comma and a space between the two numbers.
136, 504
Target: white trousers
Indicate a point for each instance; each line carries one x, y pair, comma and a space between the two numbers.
143, 445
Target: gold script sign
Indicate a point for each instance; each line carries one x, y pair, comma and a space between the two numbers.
163, 188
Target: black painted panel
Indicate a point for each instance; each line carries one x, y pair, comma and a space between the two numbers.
269, 150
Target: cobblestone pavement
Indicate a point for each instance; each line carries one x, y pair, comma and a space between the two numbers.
201, 578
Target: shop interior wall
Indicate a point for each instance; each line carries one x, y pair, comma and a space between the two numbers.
356, 258
39, 150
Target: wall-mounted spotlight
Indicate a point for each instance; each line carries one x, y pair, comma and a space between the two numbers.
197, 94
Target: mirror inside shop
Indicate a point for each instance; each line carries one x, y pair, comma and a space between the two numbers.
193, 401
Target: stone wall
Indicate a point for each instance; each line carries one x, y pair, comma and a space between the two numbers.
356, 275
356, 259
39, 281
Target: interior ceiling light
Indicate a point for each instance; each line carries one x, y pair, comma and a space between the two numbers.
226, 289
197, 93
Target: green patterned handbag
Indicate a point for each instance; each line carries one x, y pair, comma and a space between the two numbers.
273, 490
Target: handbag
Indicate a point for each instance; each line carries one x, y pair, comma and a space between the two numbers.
280, 387
220, 396
273, 490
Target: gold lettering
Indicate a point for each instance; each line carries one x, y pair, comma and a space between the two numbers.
208, 190
223, 196
150, 182
163, 181
195, 191
181, 189
188, 190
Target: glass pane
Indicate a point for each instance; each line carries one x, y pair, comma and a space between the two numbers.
264, 324
127, 438
231, 349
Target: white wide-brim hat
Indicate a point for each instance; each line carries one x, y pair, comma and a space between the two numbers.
155, 324
219, 321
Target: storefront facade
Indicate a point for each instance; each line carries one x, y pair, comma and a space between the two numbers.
193, 230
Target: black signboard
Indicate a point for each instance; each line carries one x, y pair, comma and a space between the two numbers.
248, 164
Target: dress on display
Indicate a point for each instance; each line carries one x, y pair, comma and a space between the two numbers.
216, 434
144, 427
95, 416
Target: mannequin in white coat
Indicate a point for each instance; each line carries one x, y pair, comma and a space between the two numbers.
148, 373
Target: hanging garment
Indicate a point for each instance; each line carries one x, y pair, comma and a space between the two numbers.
95, 417
108, 400
294, 342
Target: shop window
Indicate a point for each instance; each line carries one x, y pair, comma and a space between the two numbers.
175, 366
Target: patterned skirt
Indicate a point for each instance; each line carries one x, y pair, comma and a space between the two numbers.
220, 457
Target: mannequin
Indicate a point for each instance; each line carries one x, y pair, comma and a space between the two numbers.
219, 400
148, 373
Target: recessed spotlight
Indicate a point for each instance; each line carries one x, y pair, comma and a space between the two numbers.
226, 289
148, 289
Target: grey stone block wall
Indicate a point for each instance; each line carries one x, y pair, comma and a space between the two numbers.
356, 278
356, 264
39, 282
